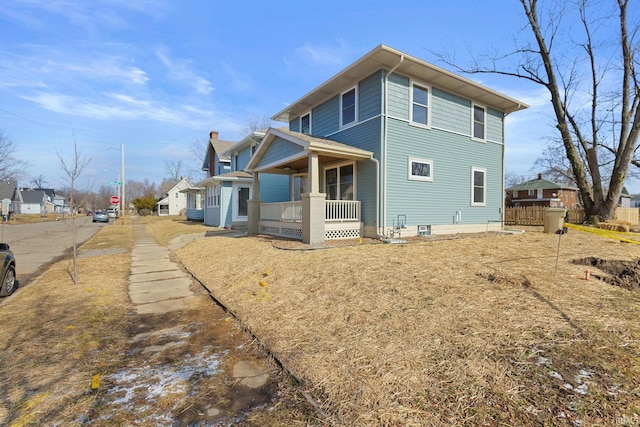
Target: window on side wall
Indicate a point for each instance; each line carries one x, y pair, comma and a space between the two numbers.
479, 123
305, 124
478, 186
420, 169
348, 110
420, 105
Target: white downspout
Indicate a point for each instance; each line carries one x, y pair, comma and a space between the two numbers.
383, 221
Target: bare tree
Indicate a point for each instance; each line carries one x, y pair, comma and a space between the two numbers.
140, 189
39, 182
174, 170
73, 169
199, 150
11, 168
257, 124
594, 88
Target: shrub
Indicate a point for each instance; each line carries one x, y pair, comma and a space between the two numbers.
145, 212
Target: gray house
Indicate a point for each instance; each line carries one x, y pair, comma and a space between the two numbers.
390, 146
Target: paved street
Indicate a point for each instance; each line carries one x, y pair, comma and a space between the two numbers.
36, 245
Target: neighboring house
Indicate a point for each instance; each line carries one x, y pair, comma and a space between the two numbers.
195, 202
227, 194
625, 198
391, 146
175, 200
215, 162
8, 191
33, 202
60, 205
542, 192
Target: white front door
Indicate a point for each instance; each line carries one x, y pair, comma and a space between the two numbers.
240, 200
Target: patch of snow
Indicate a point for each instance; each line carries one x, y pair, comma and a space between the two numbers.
556, 375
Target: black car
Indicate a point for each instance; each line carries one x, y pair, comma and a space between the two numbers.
9, 282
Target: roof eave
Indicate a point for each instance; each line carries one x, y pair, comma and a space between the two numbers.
384, 57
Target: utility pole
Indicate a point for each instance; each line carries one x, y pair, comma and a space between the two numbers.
123, 205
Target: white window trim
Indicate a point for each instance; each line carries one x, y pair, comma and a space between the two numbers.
300, 122
484, 186
235, 200
338, 166
417, 177
355, 121
473, 109
428, 106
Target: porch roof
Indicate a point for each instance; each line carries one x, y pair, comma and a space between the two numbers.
229, 176
326, 149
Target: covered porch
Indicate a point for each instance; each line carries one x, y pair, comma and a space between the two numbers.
316, 210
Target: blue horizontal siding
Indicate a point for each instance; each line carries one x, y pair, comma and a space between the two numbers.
274, 188
453, 156
278, 149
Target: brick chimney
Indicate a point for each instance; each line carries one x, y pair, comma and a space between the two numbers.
539, 177
213, 134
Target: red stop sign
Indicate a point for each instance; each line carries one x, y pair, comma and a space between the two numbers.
114, 200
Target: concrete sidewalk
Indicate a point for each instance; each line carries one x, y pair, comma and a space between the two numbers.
156, 284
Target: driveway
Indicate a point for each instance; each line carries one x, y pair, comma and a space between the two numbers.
37, 245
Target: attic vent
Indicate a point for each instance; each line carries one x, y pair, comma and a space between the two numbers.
424, 230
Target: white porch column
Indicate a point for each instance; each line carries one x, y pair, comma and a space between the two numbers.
253, 207
313, 205
314, 174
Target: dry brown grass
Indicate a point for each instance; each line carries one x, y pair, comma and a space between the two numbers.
56, 335
163, 229
498, 330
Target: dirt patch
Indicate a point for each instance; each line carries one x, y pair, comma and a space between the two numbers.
625, 274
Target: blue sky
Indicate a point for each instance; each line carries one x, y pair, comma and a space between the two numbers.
158, 75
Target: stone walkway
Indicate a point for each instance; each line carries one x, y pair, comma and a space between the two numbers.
157, 285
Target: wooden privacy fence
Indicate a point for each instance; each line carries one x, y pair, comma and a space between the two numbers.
534, 215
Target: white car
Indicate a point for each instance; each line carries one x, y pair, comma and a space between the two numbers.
112, 213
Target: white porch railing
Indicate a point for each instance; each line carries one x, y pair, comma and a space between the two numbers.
342, 219
283, 212
342, 210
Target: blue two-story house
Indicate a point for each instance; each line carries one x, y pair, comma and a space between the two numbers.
229, 189
390, 146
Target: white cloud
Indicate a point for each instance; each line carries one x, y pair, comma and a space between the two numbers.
181, 71
324, 55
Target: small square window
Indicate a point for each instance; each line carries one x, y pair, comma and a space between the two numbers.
420, 169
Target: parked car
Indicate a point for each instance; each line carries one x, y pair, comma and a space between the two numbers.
113, 213
9, 282
100, 216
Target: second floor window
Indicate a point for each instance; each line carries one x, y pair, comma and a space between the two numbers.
479, 122
305, 124
420, 105
348, 107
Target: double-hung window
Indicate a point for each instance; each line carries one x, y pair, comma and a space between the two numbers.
348, 107
305, 124
339, 182
478, 186
420, 105
479, 123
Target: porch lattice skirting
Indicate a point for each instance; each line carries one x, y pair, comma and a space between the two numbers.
341, 234
291, 233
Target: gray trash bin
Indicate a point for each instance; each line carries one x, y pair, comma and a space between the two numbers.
554, 219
